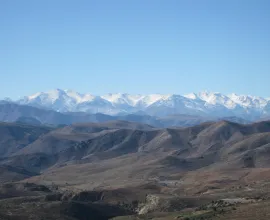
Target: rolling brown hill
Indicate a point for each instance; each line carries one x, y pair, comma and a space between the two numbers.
14, 137
202, 145
61, 139
135, 168
115, 155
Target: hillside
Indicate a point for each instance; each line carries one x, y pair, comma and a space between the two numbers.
137, 168
214, 144
14, 137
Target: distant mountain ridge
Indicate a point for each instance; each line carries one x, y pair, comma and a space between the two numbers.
12, 112
202, 104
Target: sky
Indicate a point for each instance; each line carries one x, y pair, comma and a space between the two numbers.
135, 46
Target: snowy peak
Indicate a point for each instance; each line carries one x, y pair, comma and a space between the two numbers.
148, 100
134, 100
217, 99
57, 99
248, 101
191, 96
119, 98
204, 103
57, 94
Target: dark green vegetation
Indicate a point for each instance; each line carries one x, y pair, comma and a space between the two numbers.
127, 170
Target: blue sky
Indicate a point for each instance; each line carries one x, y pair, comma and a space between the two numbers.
136, 46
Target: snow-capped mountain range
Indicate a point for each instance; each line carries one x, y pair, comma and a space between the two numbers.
203, 103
